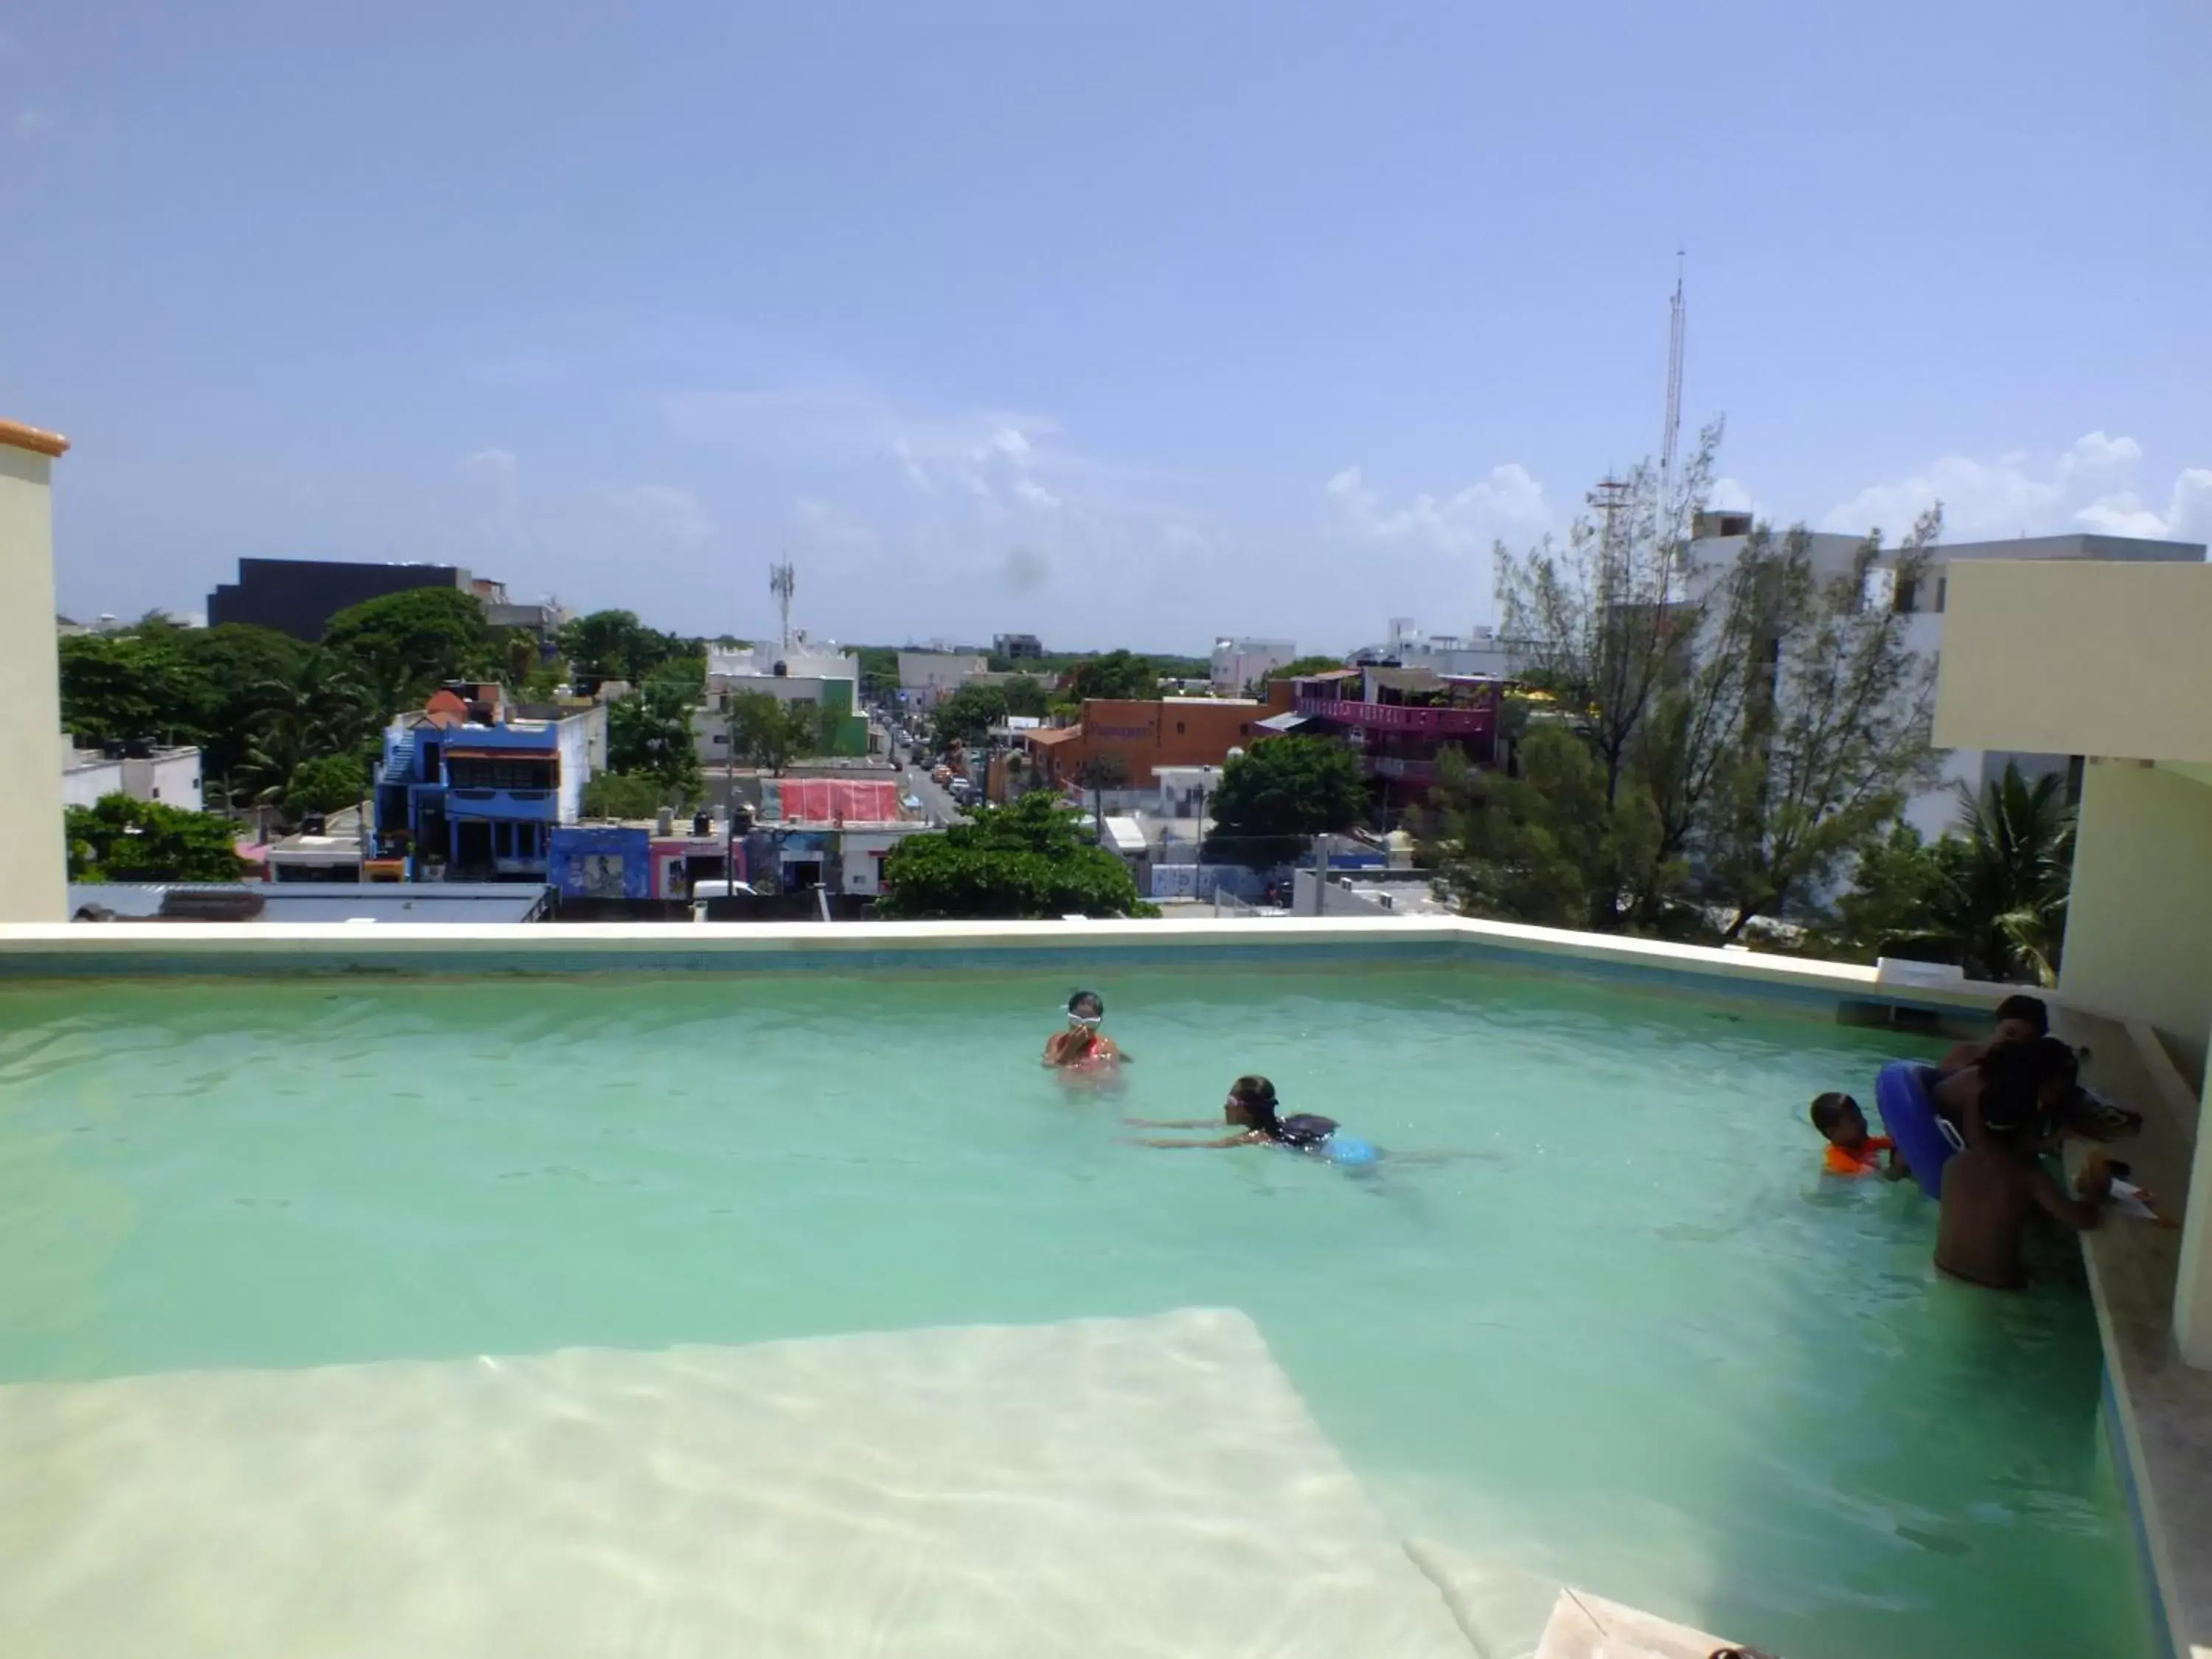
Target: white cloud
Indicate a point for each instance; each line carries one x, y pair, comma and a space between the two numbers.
1733, 495
664, 512
2090, 486
1508, 502
1035, 495
826, 526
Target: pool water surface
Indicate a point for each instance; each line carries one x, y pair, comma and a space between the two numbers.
1618, 1330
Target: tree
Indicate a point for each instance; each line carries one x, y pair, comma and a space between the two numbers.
1837, 733
1301, 667
120, 839
1098, 774
1538, 848
2004, 889
614, 645
1275, 799
967, 714
769, 733
328, 783
321, 707
1118, 674
237, 661
118, 687
1890, 909
1027, 861
1752, 722
416, 639
649, 735
1027, 695
618, 795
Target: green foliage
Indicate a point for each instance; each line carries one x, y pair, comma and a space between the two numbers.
322, 706
620, 795
767, 732
1302, 667
614, 645
649, 735
1028, 860
1275, 798
1118, 674
118, 687
1028, 696
410, 643
879, 674
120, 839
1991, 899
967, 714
326, 784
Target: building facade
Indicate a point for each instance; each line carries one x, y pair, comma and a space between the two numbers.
142, 771
1479, 653
299, 597
1239, 664
1399, 721
827, 682
1146, 736
476, 799
925, 678
1019, 647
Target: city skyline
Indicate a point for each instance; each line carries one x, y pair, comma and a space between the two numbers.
1127, 330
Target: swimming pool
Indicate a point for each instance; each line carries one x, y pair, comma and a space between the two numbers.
1625, 1337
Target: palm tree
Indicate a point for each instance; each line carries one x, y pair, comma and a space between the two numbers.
322, 708
2006, 877
1098, 774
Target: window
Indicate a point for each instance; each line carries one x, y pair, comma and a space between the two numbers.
1905, 597
1942, 593
1178, 728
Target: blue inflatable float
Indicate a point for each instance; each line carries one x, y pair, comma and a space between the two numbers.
1924, 1139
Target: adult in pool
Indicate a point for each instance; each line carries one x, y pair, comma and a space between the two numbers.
1255, 1117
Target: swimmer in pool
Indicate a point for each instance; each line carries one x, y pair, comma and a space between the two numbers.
2019, 1018
1082, 1047
1255, 1118
1992, 1188
1852, 1149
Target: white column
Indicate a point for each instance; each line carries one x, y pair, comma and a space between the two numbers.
34, 862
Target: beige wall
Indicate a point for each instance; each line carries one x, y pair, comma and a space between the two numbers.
2139, 924
32, 864
2087, 657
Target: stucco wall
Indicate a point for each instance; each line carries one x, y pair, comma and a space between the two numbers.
2087, 658
2139, 924
33, 880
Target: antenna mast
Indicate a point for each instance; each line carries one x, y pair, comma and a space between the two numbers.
1670, 435
783, 582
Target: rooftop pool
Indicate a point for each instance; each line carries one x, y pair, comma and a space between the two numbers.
262, 1243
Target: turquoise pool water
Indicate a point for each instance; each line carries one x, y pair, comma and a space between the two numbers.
1625, 1336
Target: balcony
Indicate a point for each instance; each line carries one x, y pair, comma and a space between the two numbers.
532, 805
1402, 717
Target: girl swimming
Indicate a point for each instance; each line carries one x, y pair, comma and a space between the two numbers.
1255, 1115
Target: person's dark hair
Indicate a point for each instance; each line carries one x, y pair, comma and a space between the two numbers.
1089, 1003
1257, 1097
1828, 1110
2027, 1010
2013, 1077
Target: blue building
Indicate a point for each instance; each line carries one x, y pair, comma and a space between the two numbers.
476, 798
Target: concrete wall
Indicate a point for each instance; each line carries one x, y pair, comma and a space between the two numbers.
33, 865
2139, 924
2078, 657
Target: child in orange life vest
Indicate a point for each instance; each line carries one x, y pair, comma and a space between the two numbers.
1851, 1150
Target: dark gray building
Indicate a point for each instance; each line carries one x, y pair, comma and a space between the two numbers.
299, 597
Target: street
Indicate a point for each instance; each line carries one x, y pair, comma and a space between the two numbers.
937, 805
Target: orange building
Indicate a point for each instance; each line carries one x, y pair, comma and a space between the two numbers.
1145, 736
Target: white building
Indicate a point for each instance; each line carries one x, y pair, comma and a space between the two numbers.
1479, 651
1935, 810
171, 776
926, 677
1240, 664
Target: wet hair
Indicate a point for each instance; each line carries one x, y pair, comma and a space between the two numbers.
2014, 1076
1828, 1110
2027, 1010
1088, 1005
1257, 1097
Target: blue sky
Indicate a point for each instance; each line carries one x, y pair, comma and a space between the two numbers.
1118, 325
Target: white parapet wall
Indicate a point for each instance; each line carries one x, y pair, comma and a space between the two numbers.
34, 862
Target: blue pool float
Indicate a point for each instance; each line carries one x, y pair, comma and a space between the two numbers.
1923, 1138
1349, 1151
